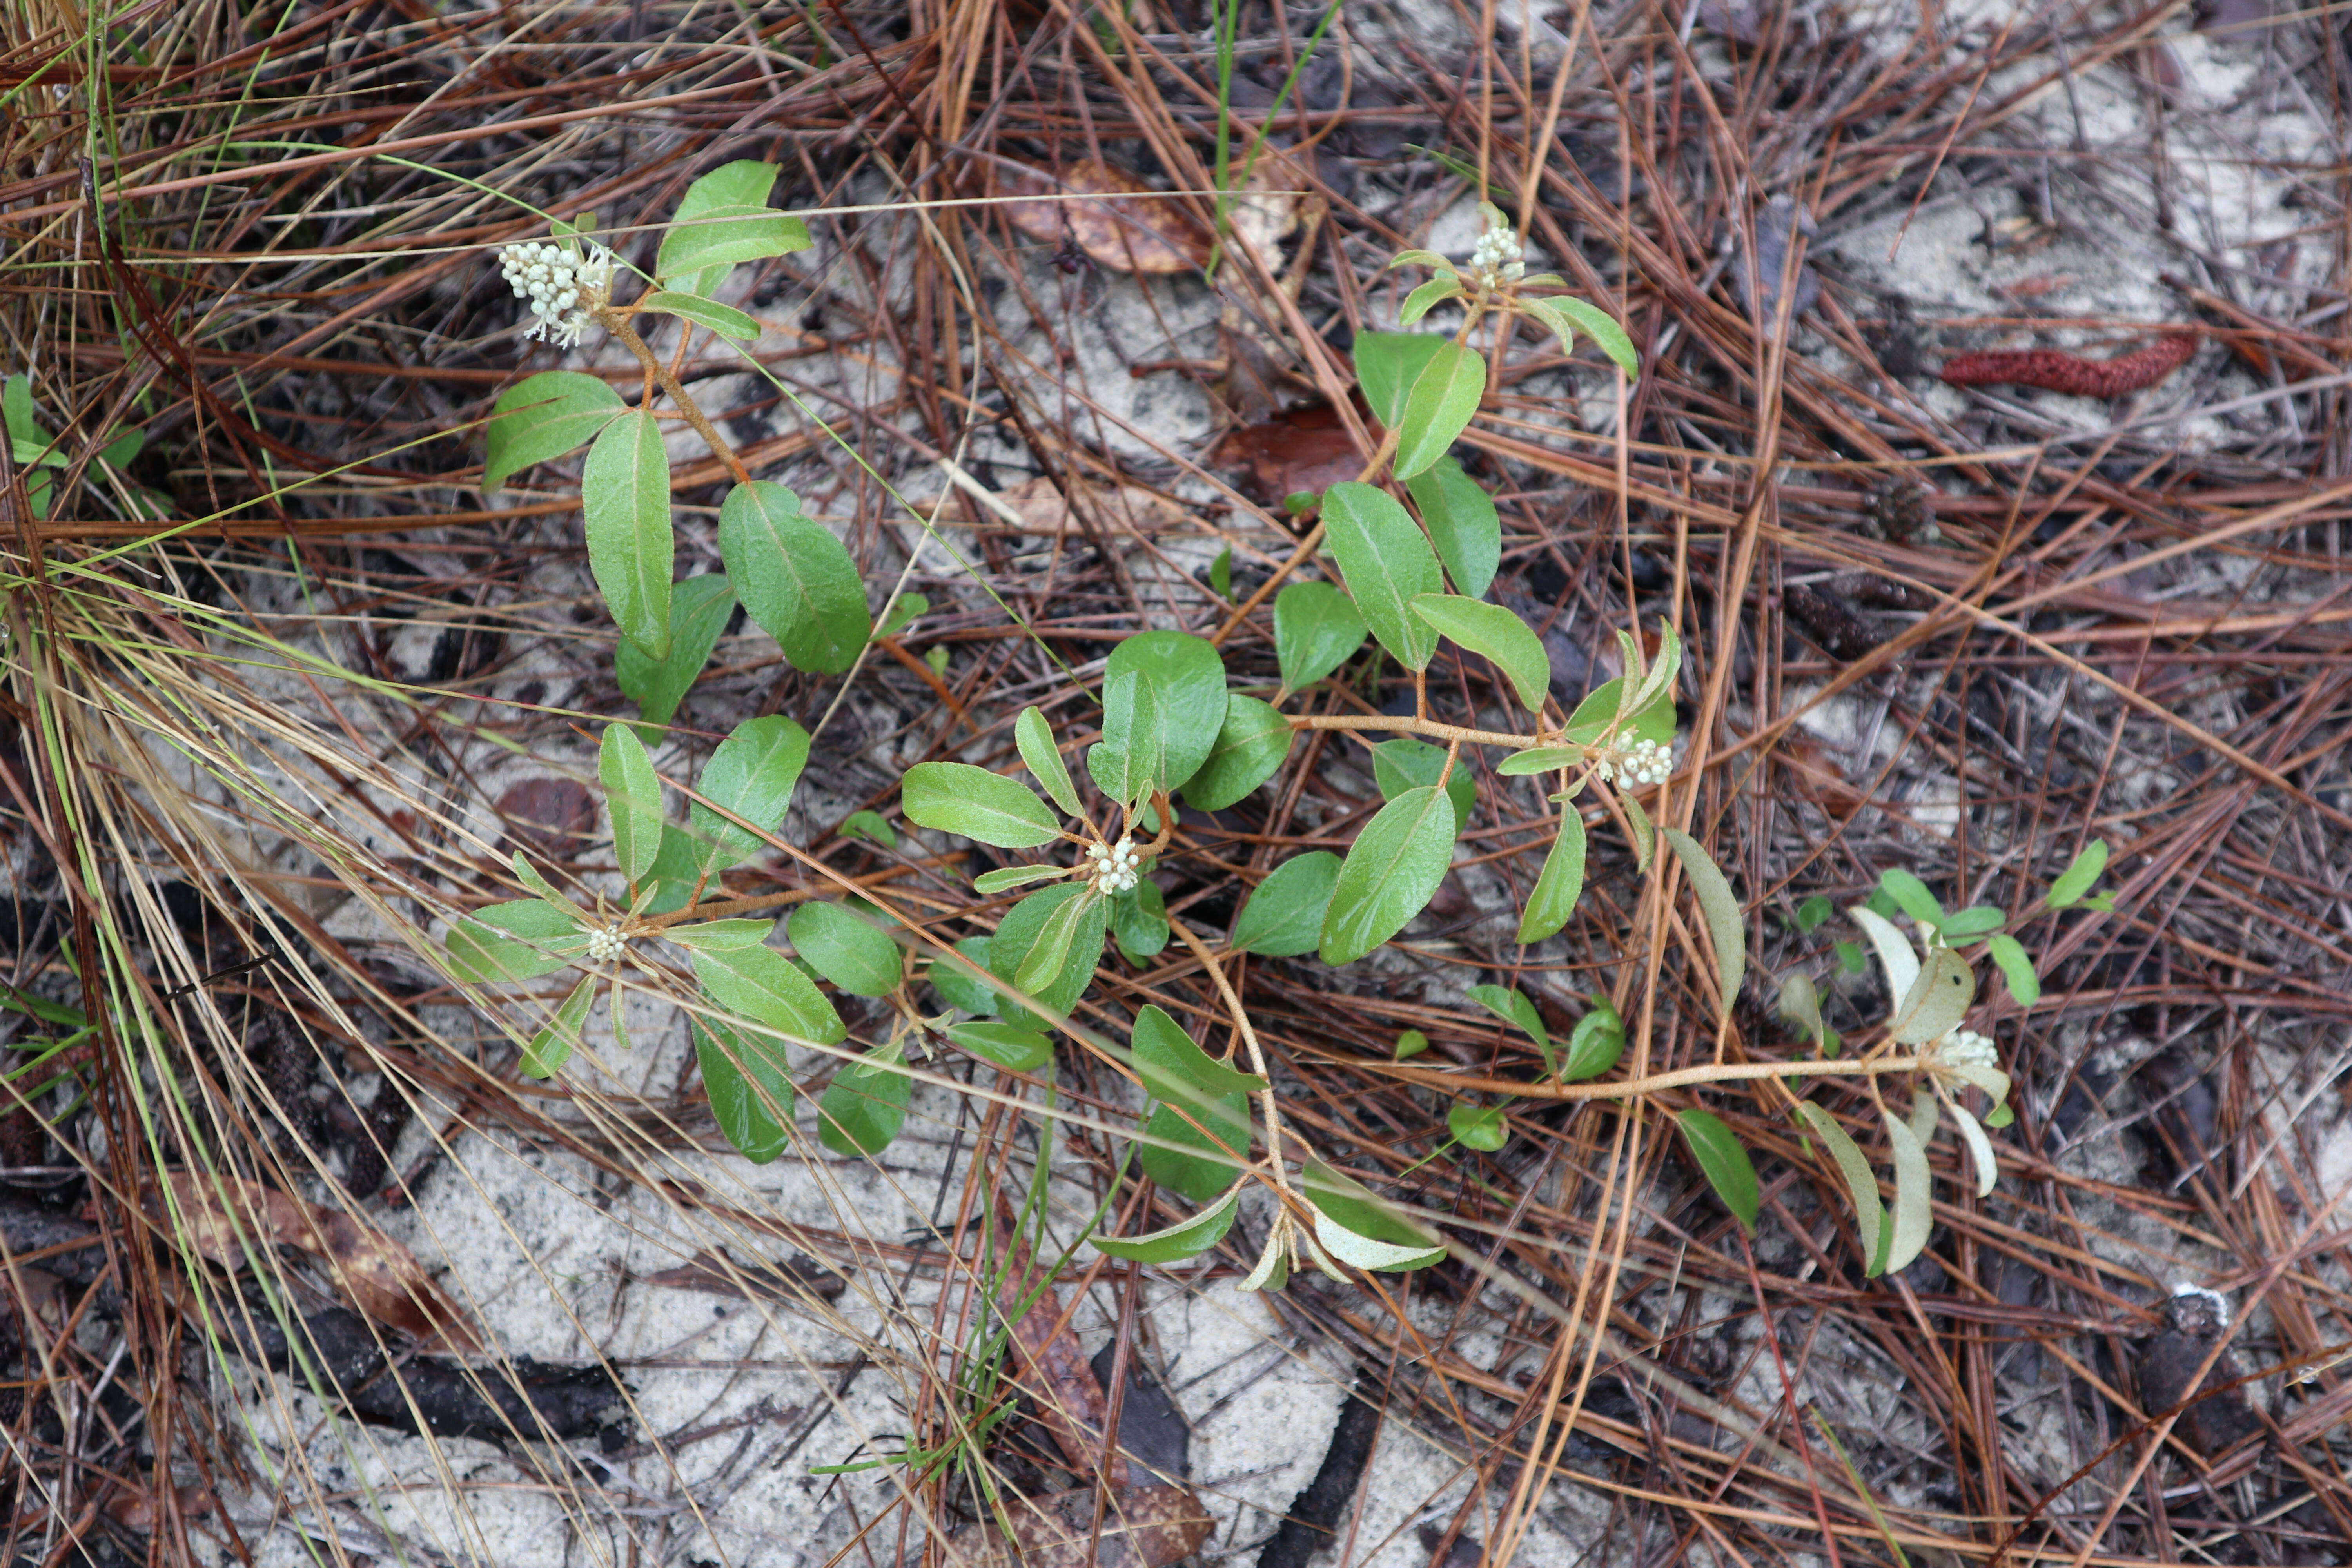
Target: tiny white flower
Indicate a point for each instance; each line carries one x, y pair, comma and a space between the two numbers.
563, 289
606, 943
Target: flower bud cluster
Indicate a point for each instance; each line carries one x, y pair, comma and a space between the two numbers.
606, 943
1966, 1049
561, 289
1495, 260
1641, 763
1117, 867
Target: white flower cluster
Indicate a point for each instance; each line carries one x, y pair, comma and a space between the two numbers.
606, 943
1115, 866
1497, 257
1966, 1048
1643, 763
561, 288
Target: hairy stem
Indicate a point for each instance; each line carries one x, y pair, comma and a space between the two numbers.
1249, 1037
1453, 734
1626, 1089
618, 325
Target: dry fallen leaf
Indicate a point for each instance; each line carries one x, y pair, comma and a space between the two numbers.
1306, 449
1042, 509
1142, 1527
1265, 211
382, 1279
1109, 213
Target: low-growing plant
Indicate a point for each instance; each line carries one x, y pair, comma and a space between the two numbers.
1176, 732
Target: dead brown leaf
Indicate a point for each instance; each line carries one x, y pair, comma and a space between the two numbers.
1305, 449
1142, 1527
1109, 213
1043, 509
220, 1216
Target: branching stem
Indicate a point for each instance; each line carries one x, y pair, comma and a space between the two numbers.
618, 325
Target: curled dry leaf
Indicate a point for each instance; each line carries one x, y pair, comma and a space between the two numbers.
1307, 449
1043, 509
381, 1277
1110, 213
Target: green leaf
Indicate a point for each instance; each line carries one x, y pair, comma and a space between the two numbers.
1347, 1204
1539, 759
1911, 896
1644, 836
698, 609
1035, 738
865, 1105
1007, 1045
1716, 901
1849, 958
1316, 627
522, 939
845, 949
1937, 1001
1980, 1155
1444, 286
1564, 314
2103, 901
1139, 921
1182, 1077
724, 218
1975, 922
998, 881
796, 580
624, 495
1402, 765
1391, 873
2001, 1115
1163, 706
1462, 521
543, 416
751, 773
2016, 968
1387, 365
1283, 917
1220, 574
900, 614
958, 989
1595, 1044
1185, 1239
1019, 932
1444, 397
737, 1069
870, 825
1058, 940
1250, 746
17, 413
1812, 912
956, 797
1495, 633
1861, 1183
633, 796
1894, 954
1387, 561
1478, 1127
1560, 882
1724, 1164
722, 936
1914, 1189
1511, 1004
725, 320
552, 1046
766, 987
1800, 1004
2078, 877
1411, 1043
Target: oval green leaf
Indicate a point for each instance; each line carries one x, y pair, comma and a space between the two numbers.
1035, 738
863, 1107
722, 936
1594, 1046
766, 987
957, 987
1387, 365
1019, 932
956, 797
1462, 523
725, 320
543, 416
1387, 561
1724, 1164
1348, 1205
2016, 968
1480, 1127
1163, 706
1316, 627
1539, 759
751, 773
625, 496
795, 579
1914, 1190
553, 1045
1402, 765
1007, 1045
1391, 873
1860, 1183
845, 949
749, 1089
724, 218
1007, 877
1283, 917
1511, 1004
699, 610
1139, 921
1250, 746
1499, 635
1937, 1000
1560, 882
1724, 925
1444, 397
1185, 1239
2079, 876
520, 939
633, 796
